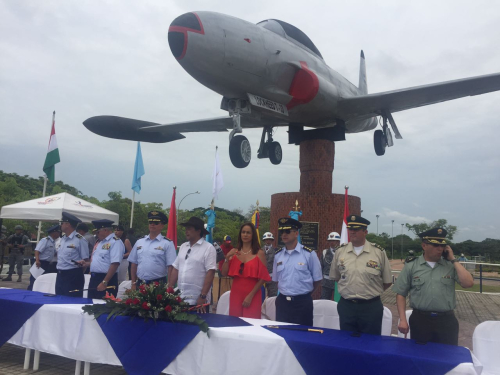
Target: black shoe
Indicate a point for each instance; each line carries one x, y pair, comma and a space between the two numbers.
19, 279
9, 278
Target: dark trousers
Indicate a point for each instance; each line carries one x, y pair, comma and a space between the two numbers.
161, 280
442, 328
47, 267
361, 316
298, 309
96, 279
68, 280
327, 293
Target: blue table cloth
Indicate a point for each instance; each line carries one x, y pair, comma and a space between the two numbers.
339, 352
17, 306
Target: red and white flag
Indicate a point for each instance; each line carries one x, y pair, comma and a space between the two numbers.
172, 222
344, 236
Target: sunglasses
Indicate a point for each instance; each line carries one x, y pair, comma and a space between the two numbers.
187, 254
242, 267
287, 231
154, 222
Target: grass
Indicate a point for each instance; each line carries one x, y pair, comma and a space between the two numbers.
475, 288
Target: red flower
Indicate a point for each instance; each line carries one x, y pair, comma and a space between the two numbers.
145, 306
178, 299
159, 297
143, 291
142, 287
156, 283
168, 308
136, 301
128, 301
170, 289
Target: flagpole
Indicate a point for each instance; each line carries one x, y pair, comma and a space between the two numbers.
43, 195
132, 211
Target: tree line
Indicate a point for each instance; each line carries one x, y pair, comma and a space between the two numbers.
15, 188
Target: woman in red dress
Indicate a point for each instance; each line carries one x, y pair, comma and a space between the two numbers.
247, 266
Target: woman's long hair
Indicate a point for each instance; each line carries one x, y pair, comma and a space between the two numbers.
255, 238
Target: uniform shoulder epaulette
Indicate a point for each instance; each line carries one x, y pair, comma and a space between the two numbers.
377, 246
277, 250
168, 239
307, 249
410, 259
78, 235
116, 238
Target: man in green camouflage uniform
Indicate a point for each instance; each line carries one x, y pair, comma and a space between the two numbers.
327, 285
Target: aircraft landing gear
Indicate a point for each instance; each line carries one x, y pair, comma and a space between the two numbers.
383, 138
240, 151
269, 149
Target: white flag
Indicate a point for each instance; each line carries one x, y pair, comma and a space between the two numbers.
217, 177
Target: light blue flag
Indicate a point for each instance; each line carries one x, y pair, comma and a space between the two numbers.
138, 170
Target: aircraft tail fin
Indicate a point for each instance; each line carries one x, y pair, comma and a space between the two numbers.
362, 87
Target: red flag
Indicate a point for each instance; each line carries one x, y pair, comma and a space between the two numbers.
344, 236
172, 222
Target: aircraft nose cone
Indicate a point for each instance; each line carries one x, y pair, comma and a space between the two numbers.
178, 33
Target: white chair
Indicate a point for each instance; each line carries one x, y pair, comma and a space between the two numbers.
486, 344
325, 314
268, 309
223, 304
124, 285
45, 283
408, 336
86, 285
387, 322
122, 271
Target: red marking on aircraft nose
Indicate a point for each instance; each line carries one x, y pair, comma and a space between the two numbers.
178, 33
247, 40
304, 87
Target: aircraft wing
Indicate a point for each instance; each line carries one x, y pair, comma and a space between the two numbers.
137, 130
399, 100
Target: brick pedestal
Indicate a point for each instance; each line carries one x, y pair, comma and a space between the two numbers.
316, 200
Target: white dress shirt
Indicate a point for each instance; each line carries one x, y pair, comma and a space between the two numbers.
192, 271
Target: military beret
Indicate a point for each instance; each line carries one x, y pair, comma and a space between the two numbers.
69, 218
356, 221
104, 223
288, 223
157, 216
434, 236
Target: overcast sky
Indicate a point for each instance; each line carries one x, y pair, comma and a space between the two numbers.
95, 57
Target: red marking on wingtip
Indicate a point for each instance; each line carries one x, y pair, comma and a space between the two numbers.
247, 40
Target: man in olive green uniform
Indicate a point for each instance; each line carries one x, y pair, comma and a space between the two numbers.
362, 272
430, 281
327, 285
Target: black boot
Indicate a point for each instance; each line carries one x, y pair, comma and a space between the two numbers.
8, 278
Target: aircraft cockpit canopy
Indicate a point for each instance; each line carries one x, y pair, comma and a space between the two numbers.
291, 33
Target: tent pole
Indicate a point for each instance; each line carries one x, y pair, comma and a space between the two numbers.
43, 195
132, 211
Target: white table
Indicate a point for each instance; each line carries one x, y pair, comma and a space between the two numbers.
66, 331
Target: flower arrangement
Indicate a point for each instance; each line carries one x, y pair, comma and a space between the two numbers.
154, 301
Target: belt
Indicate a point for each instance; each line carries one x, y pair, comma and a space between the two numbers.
296, 298
433, 313
358, 300
98, 273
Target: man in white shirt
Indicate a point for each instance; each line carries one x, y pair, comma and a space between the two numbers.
194, 268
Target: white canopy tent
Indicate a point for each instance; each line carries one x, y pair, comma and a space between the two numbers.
51, 208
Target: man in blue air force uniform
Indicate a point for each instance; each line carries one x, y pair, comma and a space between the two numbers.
73, 249
152, 256
45, 253
297, 270
105, 260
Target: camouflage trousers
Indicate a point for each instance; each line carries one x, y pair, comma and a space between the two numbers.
16, 258
327, 292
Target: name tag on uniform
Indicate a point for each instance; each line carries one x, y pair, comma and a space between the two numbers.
279, 263
71, 246
301, 264
139, 247
159, 248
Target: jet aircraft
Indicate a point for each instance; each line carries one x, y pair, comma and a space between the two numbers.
271, 74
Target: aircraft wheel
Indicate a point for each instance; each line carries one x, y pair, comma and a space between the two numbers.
379, 142
275, 153
240, 151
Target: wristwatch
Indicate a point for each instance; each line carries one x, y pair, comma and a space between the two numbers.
204, 296
454, 260
104, 282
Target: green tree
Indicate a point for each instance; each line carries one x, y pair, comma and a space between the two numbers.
440, 223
